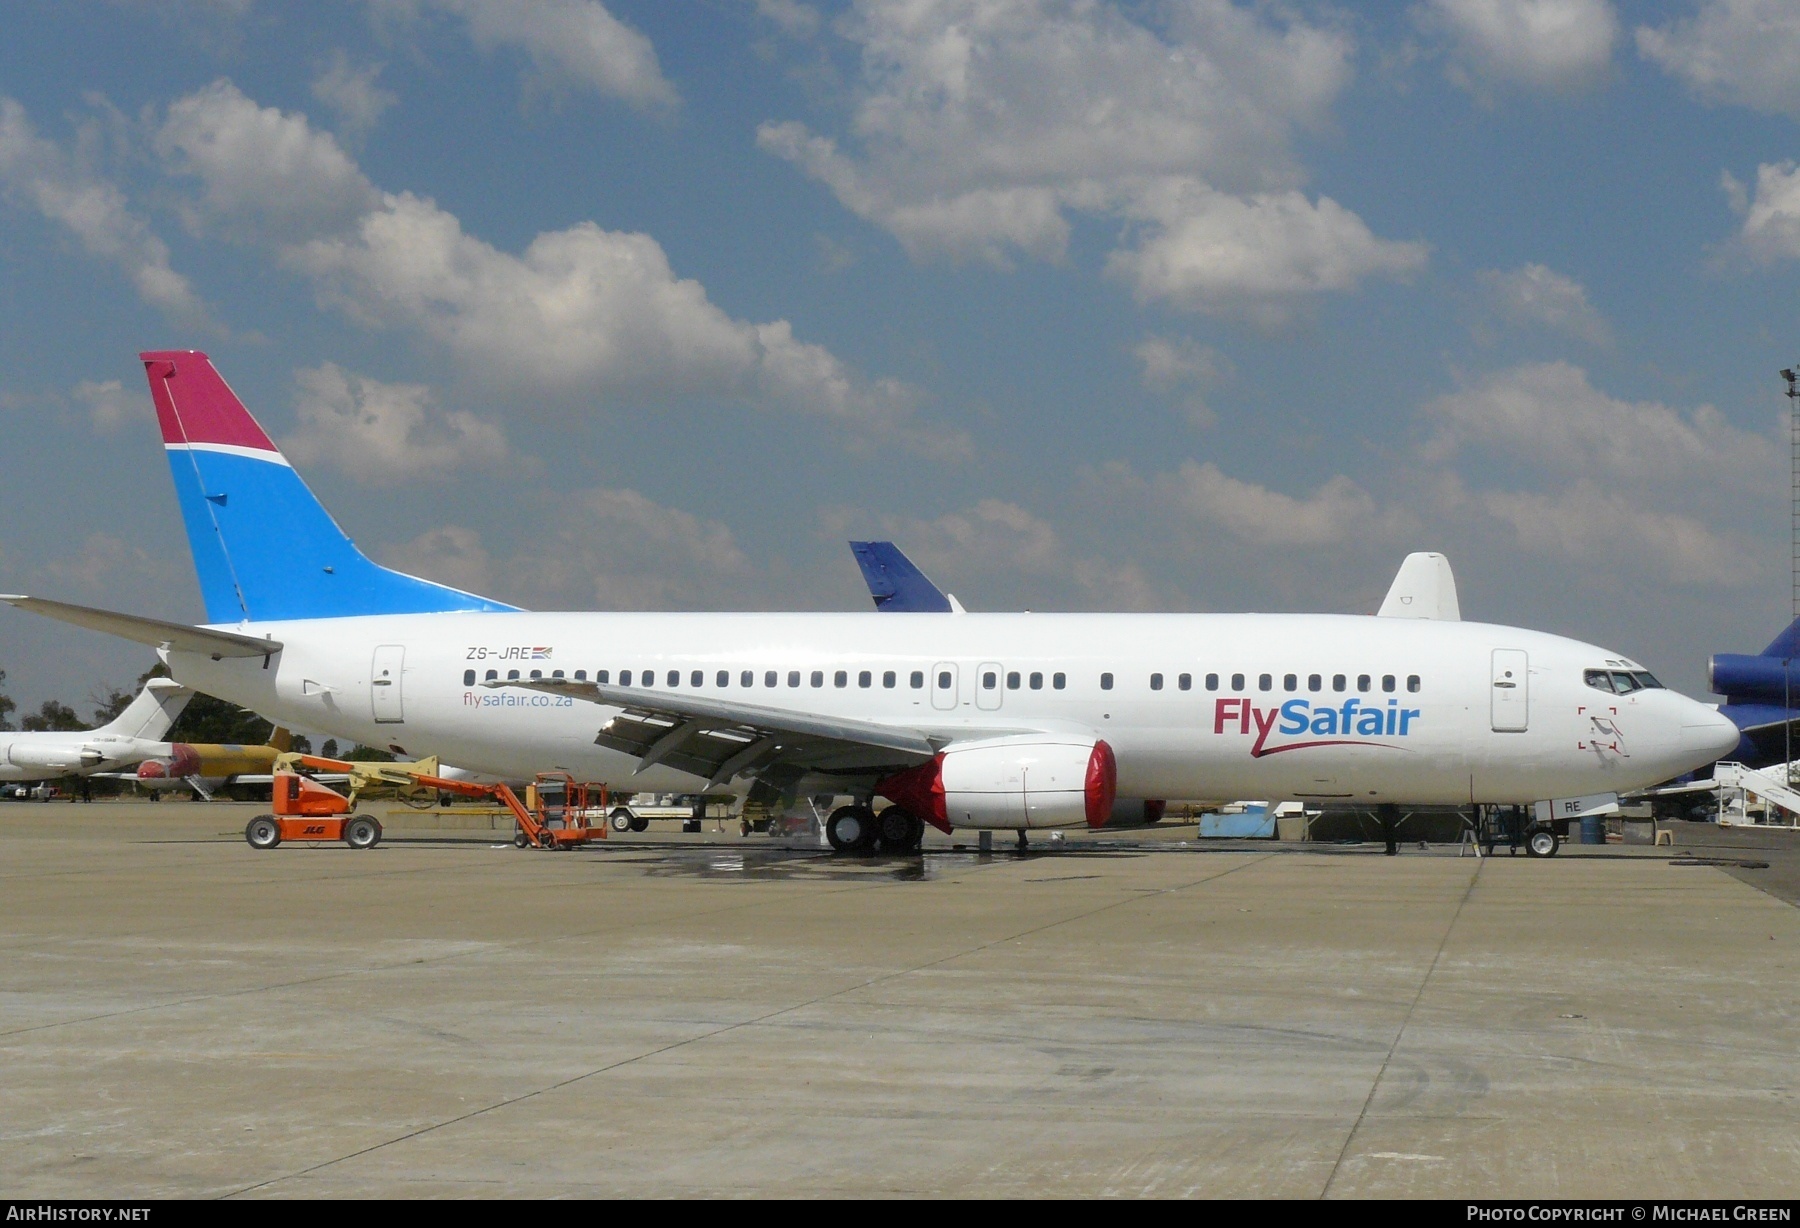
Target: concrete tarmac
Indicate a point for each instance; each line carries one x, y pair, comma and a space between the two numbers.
182, 1016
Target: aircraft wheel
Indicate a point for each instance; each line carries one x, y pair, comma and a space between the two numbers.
850, 829
263, 832
622, 820
1541, 841
362, 832
899, 831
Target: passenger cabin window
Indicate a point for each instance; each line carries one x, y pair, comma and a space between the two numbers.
724, 678
841, 678
536, 674
747, 678
1237, 682
1362, 682
1012, 680
943, 680
512, 675
1212, 682
696, 679
581, 675
888, 679
793, 677
556, 673
769, 678
1156, 682
1314, 682
818, 677
1058, 681
1265, 682
601, 675
990, 680
674, 677
468, 677
1338, 682
1037, 681
1106, 682
865, 679
1412, 683
1185, 682
917, 680
1290, 682
1387, 682
491, 675
624, 677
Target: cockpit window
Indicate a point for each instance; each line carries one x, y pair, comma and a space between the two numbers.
1625, 683
1599, 679
1647, 680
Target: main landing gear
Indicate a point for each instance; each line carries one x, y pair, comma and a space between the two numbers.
858, 829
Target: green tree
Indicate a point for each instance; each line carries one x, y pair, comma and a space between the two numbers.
52, 715
109, 704
206, 719
7, 704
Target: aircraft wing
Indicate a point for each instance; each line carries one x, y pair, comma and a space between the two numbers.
152, 631
719, 739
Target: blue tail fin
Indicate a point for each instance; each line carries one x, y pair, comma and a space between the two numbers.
264, 547
1787, 644
895, 584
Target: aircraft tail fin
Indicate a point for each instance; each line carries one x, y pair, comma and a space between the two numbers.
150, 715
1424, 587
264, 547
896, 584
1787, 644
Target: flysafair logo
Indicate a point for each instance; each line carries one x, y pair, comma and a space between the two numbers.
512, 653
1346, 724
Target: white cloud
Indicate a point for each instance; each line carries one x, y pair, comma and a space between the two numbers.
578, 41
795, 19
1771, 229
1252, 256
351, 92
1549, 414
380, 432
109, 406
1181, 366
40, 175
603, 548
1539, 44
1336, 511
582, 311
1735, 51
982, 125
264, 173
1538, 295
997, 539
1590, 525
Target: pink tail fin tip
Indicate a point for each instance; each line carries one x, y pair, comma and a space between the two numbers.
195, 405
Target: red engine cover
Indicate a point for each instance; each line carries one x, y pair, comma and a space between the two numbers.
1102, 784
921, 790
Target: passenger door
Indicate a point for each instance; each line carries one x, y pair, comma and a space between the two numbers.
943, 685
385, 686
1511, 690
989, 687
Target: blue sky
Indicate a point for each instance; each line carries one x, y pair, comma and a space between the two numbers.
1176, 305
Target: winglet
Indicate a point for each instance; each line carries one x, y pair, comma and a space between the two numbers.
1424, 587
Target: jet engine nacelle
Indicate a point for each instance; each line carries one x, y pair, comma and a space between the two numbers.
1009, 783
1770, 679
37, 756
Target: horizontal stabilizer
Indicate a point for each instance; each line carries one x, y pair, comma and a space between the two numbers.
1424, 587
177, 637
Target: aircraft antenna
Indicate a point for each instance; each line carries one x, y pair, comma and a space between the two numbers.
1793, 394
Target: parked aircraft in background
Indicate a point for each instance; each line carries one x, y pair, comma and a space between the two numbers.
130, 738
207, 767
897, 586
1762, 698
1009, 721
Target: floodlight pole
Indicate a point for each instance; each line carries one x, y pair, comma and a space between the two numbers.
1793, 395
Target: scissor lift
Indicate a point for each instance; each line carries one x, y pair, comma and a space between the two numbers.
307, 810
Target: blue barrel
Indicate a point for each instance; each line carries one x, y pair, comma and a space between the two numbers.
1593, 829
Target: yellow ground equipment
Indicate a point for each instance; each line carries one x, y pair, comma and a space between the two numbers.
554, 816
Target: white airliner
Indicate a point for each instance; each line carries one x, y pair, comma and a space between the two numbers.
129, 739
1010, 721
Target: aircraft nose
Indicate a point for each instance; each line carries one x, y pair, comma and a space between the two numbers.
1706, 735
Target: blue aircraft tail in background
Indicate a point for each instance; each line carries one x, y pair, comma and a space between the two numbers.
896, 585
1762, 698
